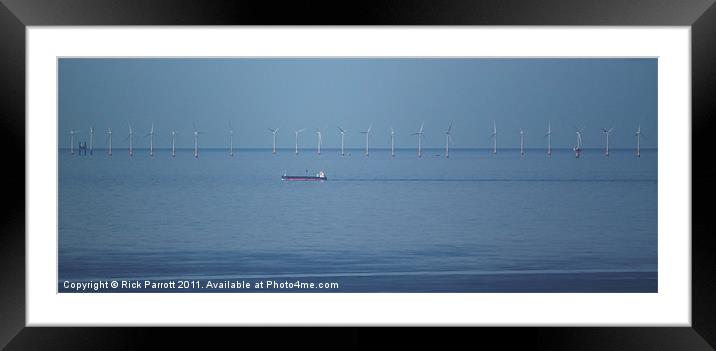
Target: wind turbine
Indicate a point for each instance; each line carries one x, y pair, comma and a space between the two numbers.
320, 140
274, 131
367, 134
392, 142
298, 132
109, 141
607, 132
130, 137
72, 140
638, 137
231, 140
578, 148
174, 153
91, 130
151, 141
196, 141
549, 139
494, 138
522, 142
420, 137
448, 139
343, 135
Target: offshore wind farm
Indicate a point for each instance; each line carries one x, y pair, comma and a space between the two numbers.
72, 134
417, 193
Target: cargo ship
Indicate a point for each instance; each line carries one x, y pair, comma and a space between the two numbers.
321, 176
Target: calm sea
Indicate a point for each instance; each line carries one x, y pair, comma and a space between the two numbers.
471, 223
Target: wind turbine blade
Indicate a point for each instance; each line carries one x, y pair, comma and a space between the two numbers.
421, 127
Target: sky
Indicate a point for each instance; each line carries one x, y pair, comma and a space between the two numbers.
253, 94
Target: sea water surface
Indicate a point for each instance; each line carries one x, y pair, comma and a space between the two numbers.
475, 222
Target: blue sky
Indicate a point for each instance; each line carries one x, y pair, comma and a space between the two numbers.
324, 93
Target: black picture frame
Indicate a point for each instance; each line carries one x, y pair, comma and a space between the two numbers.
16, 15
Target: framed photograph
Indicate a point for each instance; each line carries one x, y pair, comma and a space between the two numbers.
467, 170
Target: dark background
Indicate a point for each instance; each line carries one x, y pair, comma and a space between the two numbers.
16, 14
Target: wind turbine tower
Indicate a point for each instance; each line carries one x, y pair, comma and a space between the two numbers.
448, 139
420, 137
343, 135
607, 132
494, 138
549, 139
109, 141
392, 142
196, 142
367, 134
638, 137
174, 153
578, 148
522, 142
274, 131
151, 141
130, 137
72, 141
297, 132
231, 140
91, 130
320, 141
